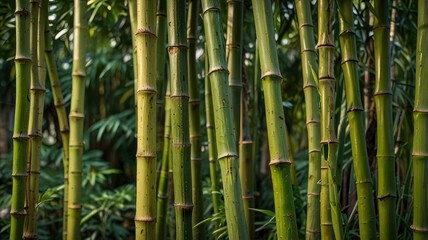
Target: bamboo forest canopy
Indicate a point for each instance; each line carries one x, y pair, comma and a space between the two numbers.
239, 119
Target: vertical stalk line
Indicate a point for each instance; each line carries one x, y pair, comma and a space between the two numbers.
76, 118
327, 84
212, 149
145, 216
20, 129
310, 68
62, 119
37, 94
164, 175
160, 71
225, 137
366, 212
279, 163
195, 122
177, 50
133, 19
420, 116
246, 161
385, 132
234, 55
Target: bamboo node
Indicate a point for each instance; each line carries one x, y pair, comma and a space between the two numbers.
22, 59
418, 229
226, 155
23, 12
19, 175
218, 69
327, 78
76, 207
314, 151
35, 134
76, 145
146, 90
349, 60
211, 161
278, 161
194, 101
271, 74
377, 26
384, 196
196, 159
419, 110
308, 50
18, 213
180, 96
176, 48
382, 93
183, 206
61, 104
235, 85
353, 108
234, 1
183, 145
247, 196
327, 45
312, 194
312, 121
146, 155
246, 142
76, 115
213, 8
38, 89
347, 31
305, 25
159, 13
327, 224
35, 172
21, 136
79, 74
145, 219
145, 31
313, 231
232, 46
162, 196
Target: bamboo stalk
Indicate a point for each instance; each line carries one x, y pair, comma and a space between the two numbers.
212, 150
279, 163
164, 175
195, 123
225, 137
420, 116
145, 216
20, 129
132, 6
62, 119
177, 50
76, 117
234, 55
366, 212
309, 67
385, 133
37, 94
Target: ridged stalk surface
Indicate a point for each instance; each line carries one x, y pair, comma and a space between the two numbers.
280, 164
347, 39
225, 137
385, 132
180, 145
20, 128
310, 89
145, 216
420, 118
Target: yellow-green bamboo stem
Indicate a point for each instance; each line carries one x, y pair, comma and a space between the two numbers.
163, 176
420, 118
279, 163
195, 122
225, 137
37, 94
145, 216
234, 56
76, 118
212, 150
330, 207
20, 128
310, 68
366, 212
177, 50
62, 119
246, 164
385, 133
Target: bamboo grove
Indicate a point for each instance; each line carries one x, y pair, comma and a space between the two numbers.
210, 119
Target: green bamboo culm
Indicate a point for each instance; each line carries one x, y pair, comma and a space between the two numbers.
234, 56
280, 164
212, 150
37, 96
385, 132
195, 122
366, 211
76, 118
20, 128
177, 50
62, 119
164, 175
420, 118
246, 162
310, 89
225, 137
330, 208
145, 216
